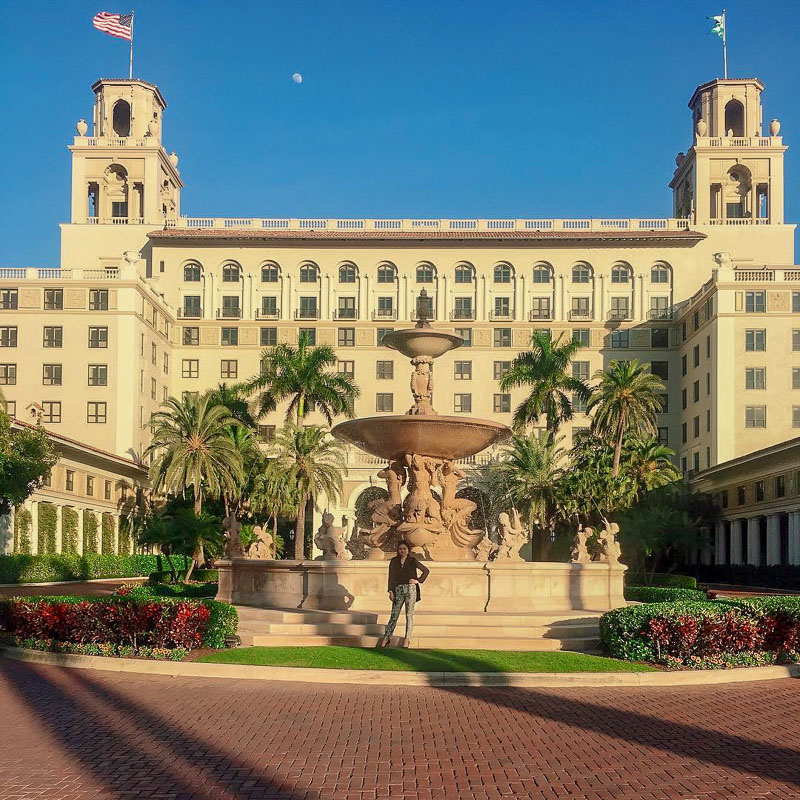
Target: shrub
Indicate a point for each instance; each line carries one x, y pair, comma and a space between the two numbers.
89, 532
187, 590
23, 522
665, 579
104, 649
47, 528
21, 568
69, 530
108, 534
125, 540
120, 621
661, 594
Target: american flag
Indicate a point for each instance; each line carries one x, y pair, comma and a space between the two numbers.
119, 25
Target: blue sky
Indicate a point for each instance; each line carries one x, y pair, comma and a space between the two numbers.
440, 109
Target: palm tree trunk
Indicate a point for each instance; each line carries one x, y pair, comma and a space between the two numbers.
197, 555
301, 409
618, 446
300, 529
275, 535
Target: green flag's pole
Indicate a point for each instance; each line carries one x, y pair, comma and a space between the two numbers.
724, 44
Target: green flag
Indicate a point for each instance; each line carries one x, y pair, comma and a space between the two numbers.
719, 25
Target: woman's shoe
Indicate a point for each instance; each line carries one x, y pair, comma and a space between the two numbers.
383, 641
406, 642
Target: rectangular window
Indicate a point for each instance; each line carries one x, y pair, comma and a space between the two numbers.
664, 403
308, 308
759, 491
795, 377
153, 388
500, 368
51, 374
796, 302
684, 433
684, 364
502, 307
755, 378
696, 460
382, 332
98, 299
98, 337
741, 495
502, 337
269, 306
724, 498
266, 433
347, 337
269, 337
385, 308
107, 490
580, 307
695, 320
619, 339
540, 308
384, 370
462, 308
696, 392
190, 368
683, 464
466, 335
620, 308
502, 403
661, 369
191, 337
755, 340
462, 403
96, 412
166, 363
708, 383
581, 336
8, 299
69, 482
153, 354
230, 337
347, 308
8, 374
663, 436
755, 417
708, 420
89, 486
659, 308
191, 306
696, 355
53, 299
696, 426
462, 371
228, 368
780, 486
708, 347
98, 375
51, 411
384, 401
755, 302
310, 335
796, 339
659, 337
796, 416
580, 370
53, 336
684, 400
346, 368
230, 306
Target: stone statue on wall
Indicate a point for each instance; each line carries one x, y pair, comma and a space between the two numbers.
330, 540
457, 511
610, 550
486, 549
422, 386
512, 536
233, 542
580, 553
263, 546
385, 514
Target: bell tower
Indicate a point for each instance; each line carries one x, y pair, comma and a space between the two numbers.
733, 173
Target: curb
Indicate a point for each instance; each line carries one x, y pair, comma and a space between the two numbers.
191, 669
69, 583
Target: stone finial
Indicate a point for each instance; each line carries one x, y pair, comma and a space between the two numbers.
173, 159
81, 126
702, 127
723, 259
680, 158
774, 127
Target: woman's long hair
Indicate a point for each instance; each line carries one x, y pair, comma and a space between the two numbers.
402, 542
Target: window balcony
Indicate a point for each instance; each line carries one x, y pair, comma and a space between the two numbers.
384, 314
345, 313
190, 313
261, 314
462, 315
619, 314
660, 313
229, 313
501, 316
306, 313
540, 314
580, 315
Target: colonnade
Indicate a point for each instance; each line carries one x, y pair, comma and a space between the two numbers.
762, 540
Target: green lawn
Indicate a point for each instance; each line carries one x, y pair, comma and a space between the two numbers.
421, 660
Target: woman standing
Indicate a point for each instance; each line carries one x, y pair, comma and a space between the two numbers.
405, 576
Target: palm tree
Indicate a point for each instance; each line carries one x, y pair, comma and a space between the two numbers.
546, 369
303, 375
234, 398
274, 494
649, 464
314, 464
192, 446
625, 401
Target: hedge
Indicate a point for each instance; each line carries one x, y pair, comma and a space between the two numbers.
125, 541
662, 594
774, 577
665, 579
149, 622
89, 532
108, 534
23, 524
47, 528
21, 568
69, 530
140, 591
707, 634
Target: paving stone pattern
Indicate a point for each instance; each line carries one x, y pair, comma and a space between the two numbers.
75, 734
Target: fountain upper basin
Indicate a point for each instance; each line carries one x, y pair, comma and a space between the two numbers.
421, 341
451, 438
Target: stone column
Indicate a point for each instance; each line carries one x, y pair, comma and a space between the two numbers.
773, 540
736, 542
753, 541
720, 555
794, 537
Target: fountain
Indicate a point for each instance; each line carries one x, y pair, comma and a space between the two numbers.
470, 573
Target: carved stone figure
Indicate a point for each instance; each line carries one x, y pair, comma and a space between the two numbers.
330, 540
723, 260
512, 536
457, 511
263, 546
580, 554
422, 386
486, 549
233, 542
385, 514
610, 550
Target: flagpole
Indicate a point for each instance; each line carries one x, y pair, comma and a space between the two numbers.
130, 68
724, 44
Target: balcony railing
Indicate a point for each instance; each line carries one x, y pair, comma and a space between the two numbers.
738, 141
501, 316
580, 315
384, 314
618, 314
345, 313
190, 313
306, 313
115, 220
462, 315
540, 314
229, 313
740, 221
660, 313
268, 314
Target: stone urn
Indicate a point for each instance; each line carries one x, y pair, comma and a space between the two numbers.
81, 126
701, 127
173, 158
679, 159
152, 127
774, 127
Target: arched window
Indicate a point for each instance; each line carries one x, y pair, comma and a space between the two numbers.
581, 273
502, 273
308, 273
659, 274
542, 273
386, 273
620, 273
269, 273
121, 119
734, 118
463, 273
230, 273
425, 273
347, 273
191, 273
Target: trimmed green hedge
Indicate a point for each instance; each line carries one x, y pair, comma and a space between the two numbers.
665, 579
21, 568
188, 590
108, 534
47, 528
69, 530
23, 524
89, 532
662, 594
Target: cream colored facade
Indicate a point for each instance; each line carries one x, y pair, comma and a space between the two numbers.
193, 301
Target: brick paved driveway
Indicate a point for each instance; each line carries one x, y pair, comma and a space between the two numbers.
80, 734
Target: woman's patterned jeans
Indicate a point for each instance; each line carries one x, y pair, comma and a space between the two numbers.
404, 595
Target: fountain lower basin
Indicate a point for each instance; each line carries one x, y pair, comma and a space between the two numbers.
391, 437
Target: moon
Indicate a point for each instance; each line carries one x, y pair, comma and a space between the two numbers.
297, 77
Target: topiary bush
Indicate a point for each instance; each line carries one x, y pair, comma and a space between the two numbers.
47, 528
665, 579
90, 543
662, 594
125, 541
69, 530
23, 524
108, 534
21, 568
